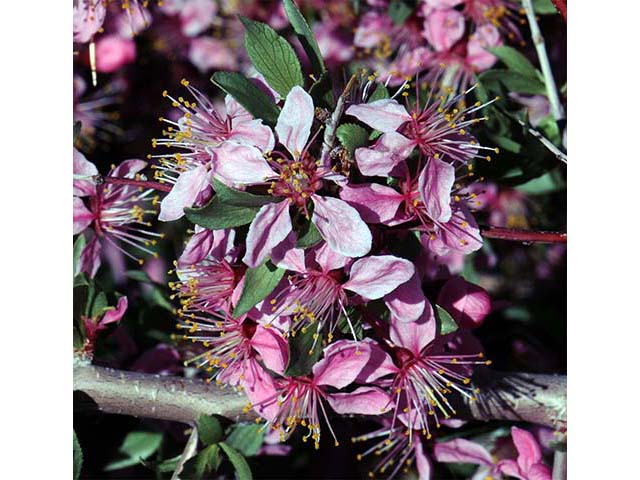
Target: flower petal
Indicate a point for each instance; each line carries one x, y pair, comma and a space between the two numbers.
294, 123
252, 132
390, 149
467, 303
385, 115
423, 464
414, 336
462, 451
287, 256
90, 258
373, 277
461, 232
183, 193
328, 259
237, 164
270, 227
82, 216
443, 28
83, 167
528, 448
116, 314
435, 184
273, 349
342, 362
341, 226
375, 203
407, 302
260, 388
362, 401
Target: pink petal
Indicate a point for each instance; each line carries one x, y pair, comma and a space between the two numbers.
407, 302
116, 314
183, 194
342, 362
372, 29
375, 203
114, 52
539, 471
527, 446
461, 232
128, 168
197, 248
374, 277
385, 115
511, 468
294, 123
237, 164
467, 303
270, 227
423, 464
486, 36
273, 349
207, 53
435, 184
390, 149
83, 167
196, 16
253, 132
414, 336
379, 365
88, 17
443, 28
328, 259
362, 401
341, 226
462, 451
287, 256
82, 216
260, 389
90, 258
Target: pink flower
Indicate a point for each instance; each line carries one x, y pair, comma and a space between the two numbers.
212, 54
113, 52
537, 107
334, 45
116, 213
443, 28
88, 17
467, 303
461, 450
478, 56
214, 143
528, 465
317, 290
196, 16
374, 28
100, 322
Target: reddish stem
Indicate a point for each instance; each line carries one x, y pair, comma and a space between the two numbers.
137, 183
561, 6
524, 235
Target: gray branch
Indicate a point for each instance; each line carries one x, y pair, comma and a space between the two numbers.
533, 398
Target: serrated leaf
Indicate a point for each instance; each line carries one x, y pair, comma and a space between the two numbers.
217, 215
379, 93
308, 236
239, 198
352, 136
301, 355
514, 81
515, 61
77, 457
272, 56
243, 472
247, 94
209, 429
399, 11
446, 323
78, 247
246, 438
136, 446
258, 283
305, 35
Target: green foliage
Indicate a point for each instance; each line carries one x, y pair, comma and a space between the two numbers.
77, 457
137, 446
399, 11
259, 282
352, 136
302, 352
379, 93
544, 7
246, 438
247, 94
78, 247
243, 472
446, 323
272, 56
209, 430
515, 61
305, 35
514, 81
217, 215
205, 462
308, 236
239, 198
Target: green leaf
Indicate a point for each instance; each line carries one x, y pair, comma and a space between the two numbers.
207, 461
136, 446
305, 35
543, 185
399, 11
217, 215
308, 236
379, 93
544, 7
272, 56
100, 304
352, 136
258, 283
301, 355
243, 472
247, 438
515, 61
209, 429
78, 247
505, 143
239, 198
77, 457
514, 81
247, 94
139, 276
446, 323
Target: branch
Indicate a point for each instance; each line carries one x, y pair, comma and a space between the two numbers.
527, 236
538, 41
561, 6
332, 124
539, 399
136, 183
